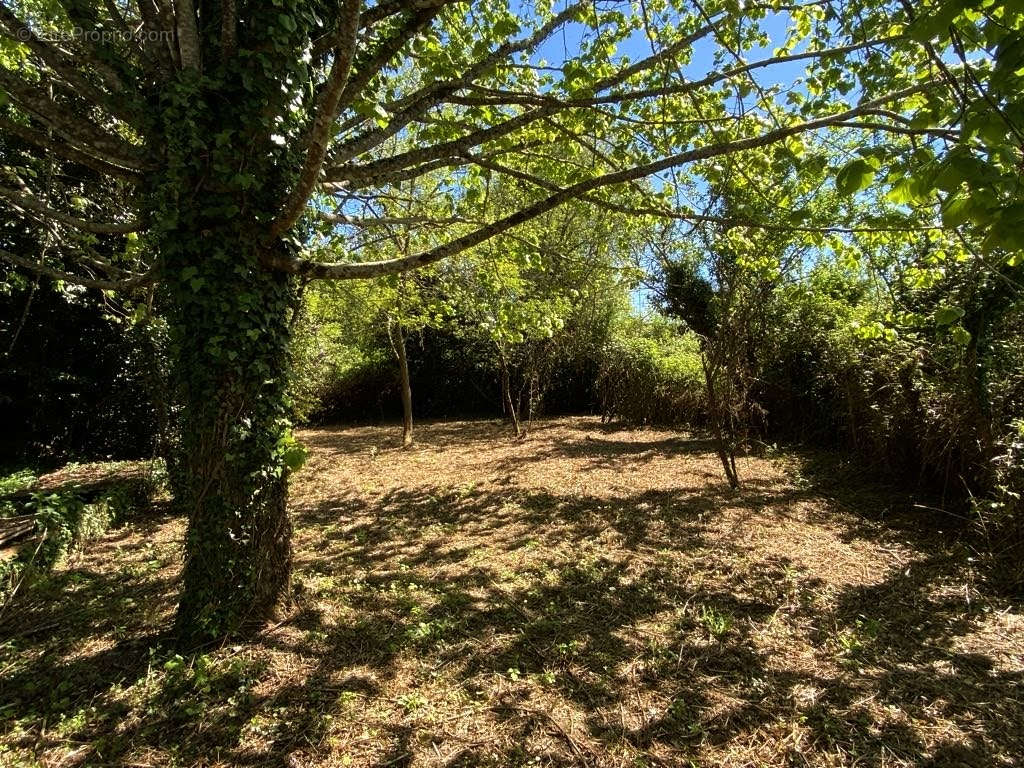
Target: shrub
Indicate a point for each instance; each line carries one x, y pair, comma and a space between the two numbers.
1000, 515
65, 520
650, 373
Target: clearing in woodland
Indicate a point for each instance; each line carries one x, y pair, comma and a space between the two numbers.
591, 596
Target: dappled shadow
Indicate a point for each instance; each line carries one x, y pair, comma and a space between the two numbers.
429, 434
498, 623
609, 453
713, 689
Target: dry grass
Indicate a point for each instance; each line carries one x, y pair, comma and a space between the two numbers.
591, 596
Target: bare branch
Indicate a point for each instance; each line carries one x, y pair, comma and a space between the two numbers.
874, 125
228, 29
116, 16
550, 106
367, 222
156, 23
85, 15
494, 97
415, 105
81, 132
383, 54
660, 212
451, 148
61, 65
68, 152
378, 13
188, 35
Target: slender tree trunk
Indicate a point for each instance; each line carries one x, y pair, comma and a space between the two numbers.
403, 365
506, 389
722, 446
229, 335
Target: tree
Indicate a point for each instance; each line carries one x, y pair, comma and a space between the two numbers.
541, 294
217, 129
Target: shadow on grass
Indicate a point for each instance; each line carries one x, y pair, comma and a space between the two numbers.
665, 646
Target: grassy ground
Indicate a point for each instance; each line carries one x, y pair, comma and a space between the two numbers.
590, 597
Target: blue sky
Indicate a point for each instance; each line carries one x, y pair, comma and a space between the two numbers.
566, 43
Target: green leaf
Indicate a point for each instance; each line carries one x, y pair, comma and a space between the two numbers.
956, 212
904, 192
948, 315
933, 22
295, 456
854, 176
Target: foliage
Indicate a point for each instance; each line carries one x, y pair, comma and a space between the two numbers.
650, 374
1001, 513
69, 516
62, 521
78, 381
535, 309
258, 145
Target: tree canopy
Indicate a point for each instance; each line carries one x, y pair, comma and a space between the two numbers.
212, 155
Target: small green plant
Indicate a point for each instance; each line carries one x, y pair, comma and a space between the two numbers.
569, 649
680, 712
428, 632
547, 677
411, 702
853, 641
10, 484
716, 622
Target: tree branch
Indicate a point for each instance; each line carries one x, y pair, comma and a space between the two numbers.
55, 274
87, 56
84, 134
156, 24
550, 106
61, 65
188, 35
29, 202
68, 152
366, 222
343, 271
228, 29
415, 105
326, 113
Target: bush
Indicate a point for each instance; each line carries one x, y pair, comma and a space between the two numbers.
77, 384
1000, 515
68, 517
650, 373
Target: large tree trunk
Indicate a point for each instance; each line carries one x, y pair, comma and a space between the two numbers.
229, 339
403, 365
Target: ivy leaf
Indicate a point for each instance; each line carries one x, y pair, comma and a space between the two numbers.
948, 315
294, 457
961, 336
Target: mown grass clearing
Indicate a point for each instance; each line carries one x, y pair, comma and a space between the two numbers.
591, 596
